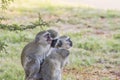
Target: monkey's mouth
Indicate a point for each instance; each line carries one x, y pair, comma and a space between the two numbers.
49, 41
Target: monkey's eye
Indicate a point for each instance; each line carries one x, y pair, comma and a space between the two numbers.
47, 35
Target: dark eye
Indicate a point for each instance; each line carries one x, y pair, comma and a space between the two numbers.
47, 35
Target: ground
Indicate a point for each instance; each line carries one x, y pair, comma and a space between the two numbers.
95, 34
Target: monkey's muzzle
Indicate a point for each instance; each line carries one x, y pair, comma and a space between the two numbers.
49, 40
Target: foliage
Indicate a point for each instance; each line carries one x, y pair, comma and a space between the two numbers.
5, 3
3, 46
2, 18
33, 25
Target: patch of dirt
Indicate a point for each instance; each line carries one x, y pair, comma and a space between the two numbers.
67, 28
92, 73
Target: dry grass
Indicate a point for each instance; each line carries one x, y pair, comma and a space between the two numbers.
95, 34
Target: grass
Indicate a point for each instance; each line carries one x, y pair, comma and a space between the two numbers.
95, 34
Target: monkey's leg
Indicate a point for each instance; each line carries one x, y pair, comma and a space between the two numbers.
32, 68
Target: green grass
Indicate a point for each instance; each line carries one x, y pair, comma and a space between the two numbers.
95, 35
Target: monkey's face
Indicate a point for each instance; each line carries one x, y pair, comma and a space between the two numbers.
48, 38
62, 42
44, 38
66, 43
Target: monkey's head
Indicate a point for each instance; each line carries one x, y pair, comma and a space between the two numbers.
54, 34
43, 37
63, 42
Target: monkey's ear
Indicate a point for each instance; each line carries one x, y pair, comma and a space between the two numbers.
59, 43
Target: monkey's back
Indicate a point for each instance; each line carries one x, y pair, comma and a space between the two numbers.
52, 66
51, 69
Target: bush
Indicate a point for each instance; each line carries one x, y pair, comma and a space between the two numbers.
2, 46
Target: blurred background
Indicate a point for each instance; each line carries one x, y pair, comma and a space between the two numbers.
93, 26
101, 4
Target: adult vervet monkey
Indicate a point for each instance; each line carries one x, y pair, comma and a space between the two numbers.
34, 53
51, 68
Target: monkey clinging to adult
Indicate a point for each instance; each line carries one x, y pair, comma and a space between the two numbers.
33, 54
51, 69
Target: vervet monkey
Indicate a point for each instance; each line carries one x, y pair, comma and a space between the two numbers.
34, 53
52, 66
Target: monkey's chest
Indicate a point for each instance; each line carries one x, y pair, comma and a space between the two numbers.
56, 73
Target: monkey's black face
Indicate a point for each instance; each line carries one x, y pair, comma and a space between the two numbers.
62, 43
70, 42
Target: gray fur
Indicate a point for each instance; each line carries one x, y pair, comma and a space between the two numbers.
51, 68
